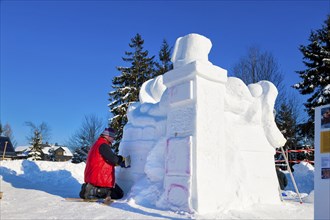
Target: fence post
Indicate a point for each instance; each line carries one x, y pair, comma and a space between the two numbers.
4, 151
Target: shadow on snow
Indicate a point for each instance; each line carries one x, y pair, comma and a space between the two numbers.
59, 182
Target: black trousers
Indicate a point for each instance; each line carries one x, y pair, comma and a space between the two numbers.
115, 192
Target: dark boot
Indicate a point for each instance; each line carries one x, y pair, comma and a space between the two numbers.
82, 191
90, 191
103, 192
117, 192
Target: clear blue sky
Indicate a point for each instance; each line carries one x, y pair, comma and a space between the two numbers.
58, 58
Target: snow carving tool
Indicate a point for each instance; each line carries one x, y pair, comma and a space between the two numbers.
107, 201
128, 161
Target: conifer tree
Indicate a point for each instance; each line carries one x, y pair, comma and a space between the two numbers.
287, 124
316, 77
127, 85
165, 63
35, 153
286, 120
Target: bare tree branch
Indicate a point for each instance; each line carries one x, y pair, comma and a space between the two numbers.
91, 127
43, 129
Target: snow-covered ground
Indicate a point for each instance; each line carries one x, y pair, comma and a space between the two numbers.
37, 190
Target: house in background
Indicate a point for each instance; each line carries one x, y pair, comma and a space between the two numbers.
22, 152
56, 153
7, 151
48, 152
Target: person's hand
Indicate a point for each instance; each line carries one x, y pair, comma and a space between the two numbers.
124, 162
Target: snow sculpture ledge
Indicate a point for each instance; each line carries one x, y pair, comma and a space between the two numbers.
199, 140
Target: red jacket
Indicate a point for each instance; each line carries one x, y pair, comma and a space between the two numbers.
98, 172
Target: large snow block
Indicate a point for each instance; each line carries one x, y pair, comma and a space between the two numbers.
149, 133
138, 150
178, 156
255, 181
189, 72
181, 121
181, 94
210, 145
195, 115
178, 192
132, 133
190, 48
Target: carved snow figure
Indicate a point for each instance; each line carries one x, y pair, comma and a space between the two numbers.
201, 141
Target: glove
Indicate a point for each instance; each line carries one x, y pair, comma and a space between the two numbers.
122, 162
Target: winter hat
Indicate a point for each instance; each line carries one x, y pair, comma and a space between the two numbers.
109, 132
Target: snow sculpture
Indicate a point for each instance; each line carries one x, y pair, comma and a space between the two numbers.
191, 48
199, 140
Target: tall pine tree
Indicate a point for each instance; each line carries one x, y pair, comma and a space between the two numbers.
287, 123
165, 63
127, 85
35, 153
286, 120
316, 76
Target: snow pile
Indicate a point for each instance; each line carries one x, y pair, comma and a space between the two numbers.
304, 176
43, 174
197, 137
309, 198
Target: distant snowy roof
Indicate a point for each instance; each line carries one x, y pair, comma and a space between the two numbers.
22, 148
67, 151
45, 149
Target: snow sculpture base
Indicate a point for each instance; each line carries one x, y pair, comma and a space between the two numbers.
193, 152
207, 143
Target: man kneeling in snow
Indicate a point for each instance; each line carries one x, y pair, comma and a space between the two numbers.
100, 169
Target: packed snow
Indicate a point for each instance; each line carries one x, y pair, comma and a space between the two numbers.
37, 190
193, 122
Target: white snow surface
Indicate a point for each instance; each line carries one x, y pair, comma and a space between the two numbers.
37, 190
